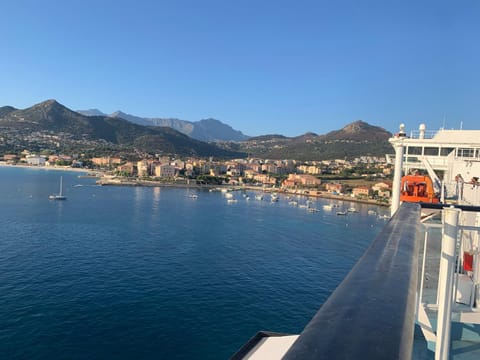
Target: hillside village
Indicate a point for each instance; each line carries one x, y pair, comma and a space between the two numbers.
364, 178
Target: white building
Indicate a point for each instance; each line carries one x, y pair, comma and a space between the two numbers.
36, 160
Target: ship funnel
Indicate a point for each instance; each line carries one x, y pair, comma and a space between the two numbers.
421, 130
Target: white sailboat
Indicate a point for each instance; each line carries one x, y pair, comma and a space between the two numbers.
59, 196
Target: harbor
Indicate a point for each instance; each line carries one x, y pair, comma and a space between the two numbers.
136, 266
106, 181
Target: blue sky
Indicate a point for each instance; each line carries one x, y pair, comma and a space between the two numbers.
261, 66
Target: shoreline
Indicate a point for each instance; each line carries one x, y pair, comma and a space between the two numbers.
193, 185
37, 167
323, 195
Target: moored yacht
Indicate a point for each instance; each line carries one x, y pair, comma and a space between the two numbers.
60, 195
327, 207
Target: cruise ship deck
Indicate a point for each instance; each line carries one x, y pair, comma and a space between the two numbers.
415, 293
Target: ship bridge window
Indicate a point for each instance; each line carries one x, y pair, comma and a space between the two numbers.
414, 150
431, 151
444, 151
464, 152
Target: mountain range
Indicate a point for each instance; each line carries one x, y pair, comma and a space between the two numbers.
203, 130
355, 139
49, 124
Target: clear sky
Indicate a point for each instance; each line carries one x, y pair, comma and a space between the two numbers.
261, 66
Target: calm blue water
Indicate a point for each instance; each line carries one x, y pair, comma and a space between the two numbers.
149, 273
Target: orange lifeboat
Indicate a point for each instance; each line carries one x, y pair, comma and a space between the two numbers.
418, 188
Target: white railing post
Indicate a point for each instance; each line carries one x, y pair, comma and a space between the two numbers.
424, 260
397, 143
446, 276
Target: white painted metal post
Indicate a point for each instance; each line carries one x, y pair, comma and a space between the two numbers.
447, 267
424, 260
397, 143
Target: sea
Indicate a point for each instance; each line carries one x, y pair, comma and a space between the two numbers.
120, 272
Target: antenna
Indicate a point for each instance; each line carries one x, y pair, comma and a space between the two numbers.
461, 125
444, 118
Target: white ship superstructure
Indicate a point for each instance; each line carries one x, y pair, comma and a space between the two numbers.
451, 157
448, 309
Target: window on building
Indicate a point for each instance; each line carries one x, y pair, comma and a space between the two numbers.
414, 150
464, 152
431, 151
445, 151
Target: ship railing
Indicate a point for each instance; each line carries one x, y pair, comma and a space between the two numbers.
469, 194
371, 315
449, 276
428, 134
463, 193
440, 162
374, 312
437, 162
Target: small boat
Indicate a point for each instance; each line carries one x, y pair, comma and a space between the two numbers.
258, 197
352, 210
371, 212
274, 198
193, 196
310, 209
328, 207
293, 203
58, 196
341, 213
231, 201
229, 195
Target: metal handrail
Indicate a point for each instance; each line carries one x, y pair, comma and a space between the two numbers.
371, 315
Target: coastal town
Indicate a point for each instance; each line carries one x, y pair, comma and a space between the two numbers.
363, 179
248, 180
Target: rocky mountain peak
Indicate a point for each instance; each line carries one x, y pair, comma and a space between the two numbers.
49, 106
119, 114
50, 103
359, 131
356, 127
